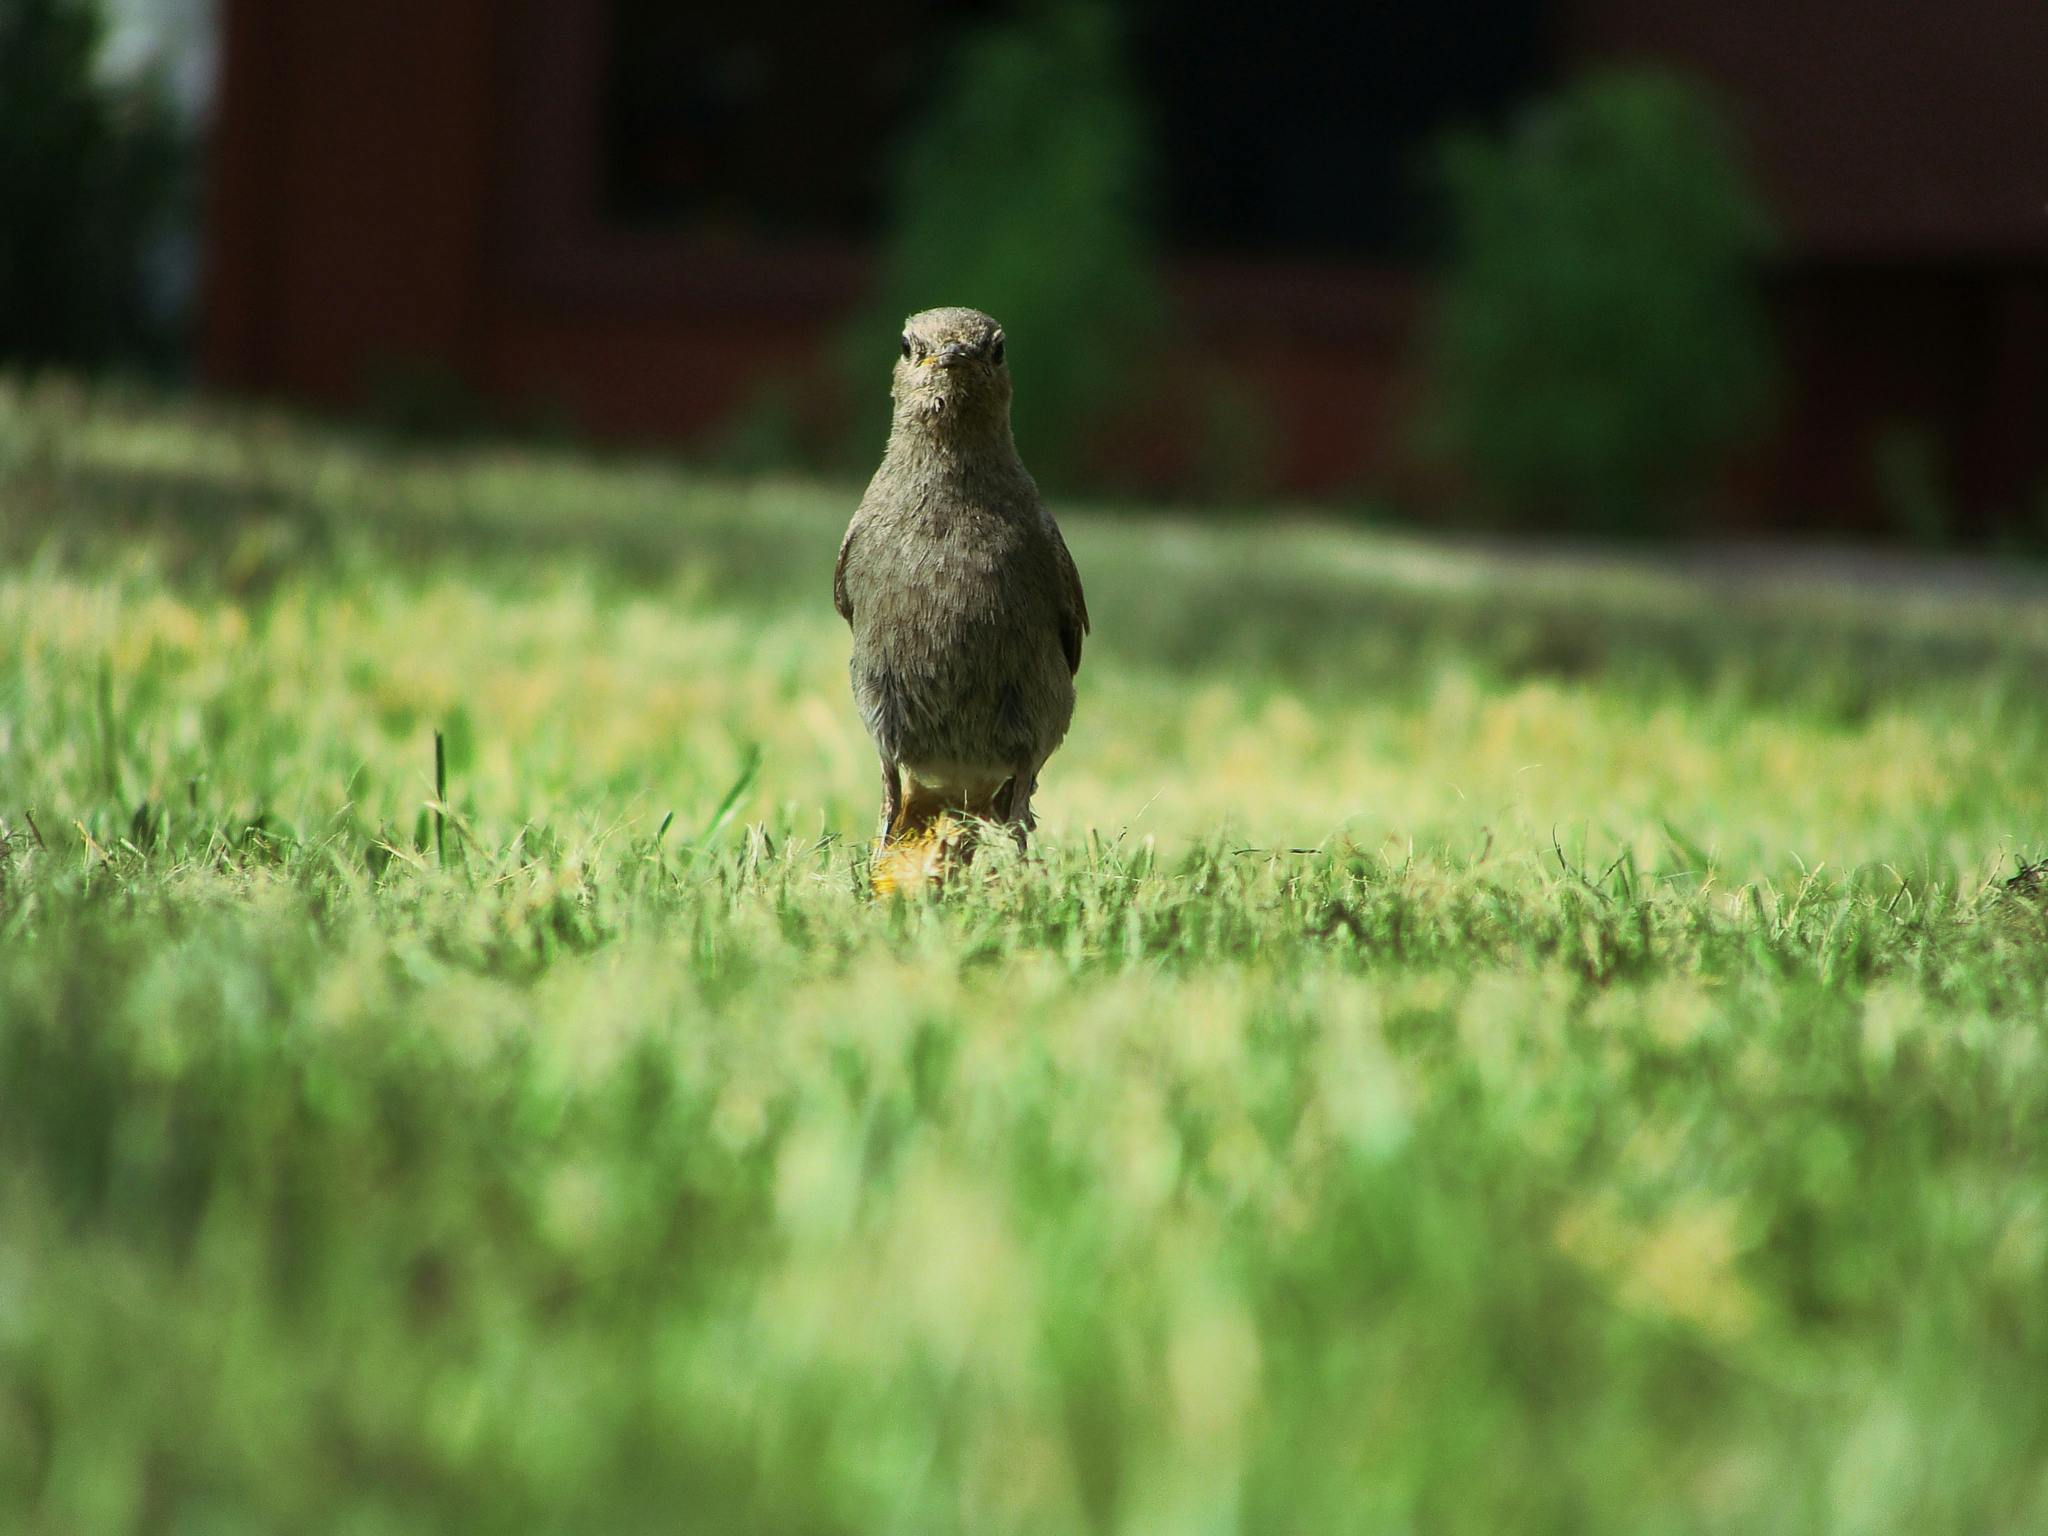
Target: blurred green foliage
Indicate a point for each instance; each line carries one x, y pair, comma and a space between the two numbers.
1910, 473
94, 177
1020, 193
1601, 342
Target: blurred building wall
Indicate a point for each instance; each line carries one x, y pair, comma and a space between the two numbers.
401, 189
1905, 147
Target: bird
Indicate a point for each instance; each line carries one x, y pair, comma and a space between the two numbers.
966, 609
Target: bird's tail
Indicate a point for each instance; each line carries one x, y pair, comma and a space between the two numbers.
932, 838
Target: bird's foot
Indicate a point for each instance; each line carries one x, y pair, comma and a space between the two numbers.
922, 859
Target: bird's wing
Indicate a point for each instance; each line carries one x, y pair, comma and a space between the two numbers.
1073, 604
839, 598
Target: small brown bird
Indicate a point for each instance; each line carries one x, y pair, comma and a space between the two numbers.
966, 609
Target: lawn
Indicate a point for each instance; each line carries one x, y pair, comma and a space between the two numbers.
1489, 1040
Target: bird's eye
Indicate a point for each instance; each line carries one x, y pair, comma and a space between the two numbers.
995, 348
906, 343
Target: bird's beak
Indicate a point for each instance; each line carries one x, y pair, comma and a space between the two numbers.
947, 356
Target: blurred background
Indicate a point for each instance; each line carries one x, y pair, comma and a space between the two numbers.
1627, 267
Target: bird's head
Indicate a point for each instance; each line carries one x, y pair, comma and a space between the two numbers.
950, 371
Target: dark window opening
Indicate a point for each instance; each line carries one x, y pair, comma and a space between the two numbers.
1290, 128
1305, 129
771, 121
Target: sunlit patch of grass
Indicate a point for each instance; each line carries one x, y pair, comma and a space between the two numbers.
1485, 1040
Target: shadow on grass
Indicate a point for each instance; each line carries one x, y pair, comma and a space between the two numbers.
1310, 607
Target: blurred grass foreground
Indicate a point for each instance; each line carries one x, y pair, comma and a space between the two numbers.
1489, 1040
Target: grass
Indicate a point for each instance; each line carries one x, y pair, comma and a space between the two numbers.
1490, 1040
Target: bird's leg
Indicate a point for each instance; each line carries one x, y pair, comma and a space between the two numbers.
1017, 810
892, 799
